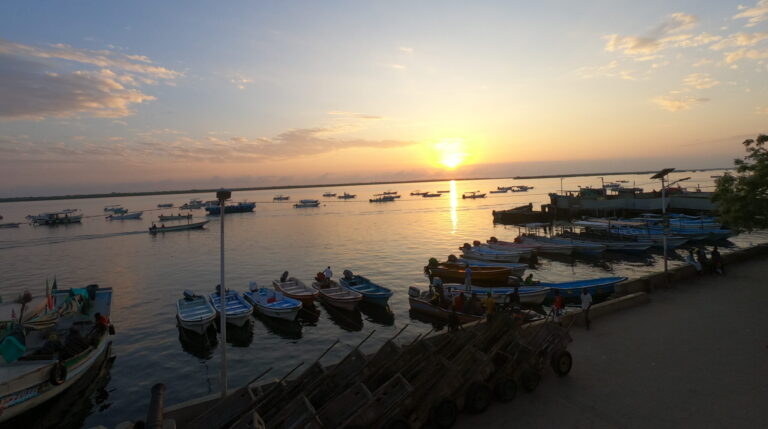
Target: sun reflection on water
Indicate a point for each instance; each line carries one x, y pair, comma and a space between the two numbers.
454, 204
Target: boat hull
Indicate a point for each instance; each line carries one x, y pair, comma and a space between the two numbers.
456, 273
338, 297
528, 295
296, 289
572, 290
371, 292
423, 306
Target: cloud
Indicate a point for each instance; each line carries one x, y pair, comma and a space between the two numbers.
240, 81
752, 54
342, 113
40, 82
611, 69
406, 49
700, 81
702, 62
754, 15
739, 40
677, 102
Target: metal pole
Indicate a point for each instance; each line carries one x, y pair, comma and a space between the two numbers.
561, 186
664, 226
223, 196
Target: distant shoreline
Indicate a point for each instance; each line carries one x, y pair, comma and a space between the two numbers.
266, 188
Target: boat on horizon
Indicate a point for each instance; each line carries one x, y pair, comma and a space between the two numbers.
281, 197
126, 216
381, 198
472, 195
346, 196
154, 229
431, 195
307, 203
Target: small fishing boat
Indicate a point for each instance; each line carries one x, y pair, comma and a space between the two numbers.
390, 192
443, 192
10, 225
431, 195
175, 217
272, 303
281, 197
472, 195
127, 216
329, 194
164, 205
456, 273
419, 302
532, 295
307, 203
579, 246
571, 290
238, 309
195, 312
242, 207
337, 296
372, 292
193, 204
296, 289
418, 193
120, 210
541, 247
380, 198
154, 229
518, 269
65, 216
346, 196
112, 207
499, 191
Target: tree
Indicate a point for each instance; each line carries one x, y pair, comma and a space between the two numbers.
743, 198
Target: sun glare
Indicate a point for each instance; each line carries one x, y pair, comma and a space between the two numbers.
450, 153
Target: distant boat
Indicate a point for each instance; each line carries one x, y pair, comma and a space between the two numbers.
175, 217
346, 196
390, 192
520, 188
443, 192
307, 203
164, 205
65, 216
243, 207
195, 312
329, 194
194, 203
154, 229
428, 195
337, 296
238, 309
499, 191
372, 292
112, 207
418, 193
381, 198
472, 195
134, 215
10, 225
281, 197
272, 303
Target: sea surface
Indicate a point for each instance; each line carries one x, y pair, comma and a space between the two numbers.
388, 242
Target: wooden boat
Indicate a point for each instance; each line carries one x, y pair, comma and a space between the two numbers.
380, 198
498, 191
346, 196
571, 290
517, 268
272, 303
430, 195
175, 217
472, 195
296, 289
238, 309
29, 376
307, 203
455, 273
443, 192
420, 303
66, 216
418, 193
134, 215
195, 312
281, 197
337, 296
154, 229
372, 292
532, 295
490, 255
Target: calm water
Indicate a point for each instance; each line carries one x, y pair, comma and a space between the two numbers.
388, 242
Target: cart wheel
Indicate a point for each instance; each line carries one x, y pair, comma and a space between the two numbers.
398, 423
506, 389
478, 397
562, 362
444, 413
529, 379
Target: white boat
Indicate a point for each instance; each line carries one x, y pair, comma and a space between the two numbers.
489, 255
307, 203
195, 312
39, 376
134, 215
517, 268
112, 207
272, 303
296, 289
65, 216
238, 309
193, 204
337, 296
546, 248
533, 295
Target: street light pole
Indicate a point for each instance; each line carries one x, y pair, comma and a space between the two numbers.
223, 195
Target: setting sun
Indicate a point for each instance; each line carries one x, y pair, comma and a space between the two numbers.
450, 153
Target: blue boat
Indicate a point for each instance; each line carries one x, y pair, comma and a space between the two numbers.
571, 290
272, 303
238, 309
233, 208
371, 292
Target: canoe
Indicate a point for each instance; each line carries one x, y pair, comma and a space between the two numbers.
372, 292
533, 295
273, 303
571, 290
238, 309
455, 273
419, 302
296, 289
154, 229
195, 312
339, 297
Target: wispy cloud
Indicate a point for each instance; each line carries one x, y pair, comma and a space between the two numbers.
752, 54
38, 82
700, 81
612, 69
739, 40
240, 81
664, 35
677, 102
753, 15
406, 49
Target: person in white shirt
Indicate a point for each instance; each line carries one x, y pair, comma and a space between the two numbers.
328, 273
468, 279
586, 303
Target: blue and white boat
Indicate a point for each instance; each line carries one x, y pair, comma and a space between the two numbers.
272, 303
533, 295
134, 215
571, 290
195, 312
372, 292
517, 268
307, 203
238, 309
243, 207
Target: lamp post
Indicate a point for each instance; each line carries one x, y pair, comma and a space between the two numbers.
664, 221
223, 195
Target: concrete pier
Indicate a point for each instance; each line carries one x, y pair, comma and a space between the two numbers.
696, 356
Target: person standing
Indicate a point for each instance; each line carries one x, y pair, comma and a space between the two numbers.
557, 306
701, 257
586, 303
490, 306
328, 273
468, 279
717, 261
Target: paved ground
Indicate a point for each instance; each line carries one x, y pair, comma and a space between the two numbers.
696, 356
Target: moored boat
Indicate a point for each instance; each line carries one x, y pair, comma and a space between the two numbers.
272, 303
571, 290
472, 195
63, 217
419, 301
532, 295
307, 203
517, 268
193, 204
195, 312
329, 194
450, 273
127, 216
10, 225
380, 198
296, 289
154, 229
281, 197
174, 217
242, 207
371, 292
337, 296
431, 195
237, 308
164, 205
346, 196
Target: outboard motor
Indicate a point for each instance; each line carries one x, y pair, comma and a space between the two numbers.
452, 258
189, 295
476, 243
414, 292
284, 277
253, 287
348, 274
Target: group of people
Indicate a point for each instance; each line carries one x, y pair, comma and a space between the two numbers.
467, 303
703, 264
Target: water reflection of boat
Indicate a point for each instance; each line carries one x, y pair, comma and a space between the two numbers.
377, 314
347, 320
309, 315
198, 345
288, 329
240, 336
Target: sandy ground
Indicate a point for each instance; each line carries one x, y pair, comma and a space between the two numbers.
696, 356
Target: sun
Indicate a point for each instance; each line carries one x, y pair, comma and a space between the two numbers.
450, 153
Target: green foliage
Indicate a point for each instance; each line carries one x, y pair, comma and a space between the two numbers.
743, 198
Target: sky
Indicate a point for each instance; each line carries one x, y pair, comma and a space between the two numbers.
144, 95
